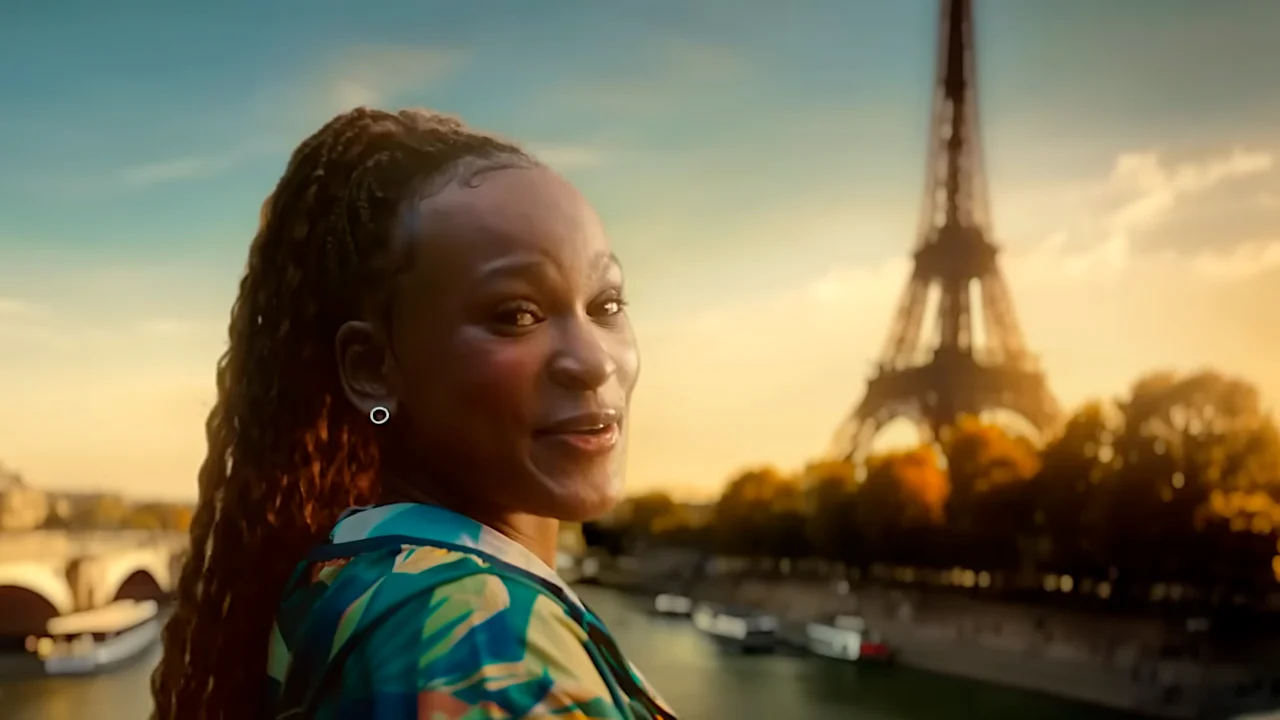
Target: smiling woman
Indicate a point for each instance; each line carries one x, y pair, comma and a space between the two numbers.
430, 367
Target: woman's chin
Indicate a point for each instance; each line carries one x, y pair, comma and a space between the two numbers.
583, 499
577, 494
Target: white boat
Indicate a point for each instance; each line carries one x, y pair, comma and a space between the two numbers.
577, 569
668, 604
92, 640
845, 637
590, 569
745, 631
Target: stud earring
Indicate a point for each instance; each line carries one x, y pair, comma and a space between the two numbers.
379, 415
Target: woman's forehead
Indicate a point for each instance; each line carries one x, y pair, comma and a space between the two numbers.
508, 211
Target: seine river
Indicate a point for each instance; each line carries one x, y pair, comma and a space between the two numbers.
702, 683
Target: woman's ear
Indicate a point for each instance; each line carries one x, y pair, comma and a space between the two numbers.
365, 367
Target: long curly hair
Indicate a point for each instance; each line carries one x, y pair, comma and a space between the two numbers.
286, 453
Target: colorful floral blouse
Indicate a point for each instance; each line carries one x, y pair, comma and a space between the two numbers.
413, 612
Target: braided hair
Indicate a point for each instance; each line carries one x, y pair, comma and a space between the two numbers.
286, 453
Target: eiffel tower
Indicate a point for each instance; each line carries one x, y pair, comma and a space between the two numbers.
970, 356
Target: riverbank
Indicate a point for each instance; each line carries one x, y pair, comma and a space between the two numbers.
1123, 663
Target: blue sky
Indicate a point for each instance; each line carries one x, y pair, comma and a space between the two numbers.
740, 151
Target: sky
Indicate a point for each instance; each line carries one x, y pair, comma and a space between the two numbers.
759, 166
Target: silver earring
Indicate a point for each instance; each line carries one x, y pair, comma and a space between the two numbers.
379, 415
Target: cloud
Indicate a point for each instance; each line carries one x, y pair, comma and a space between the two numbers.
17, 308
767, 378
175, 169
363, 76
374, 75
1140, 194
568, 157
1157, 187
1247, 259
668, 77
169, 327
193, 167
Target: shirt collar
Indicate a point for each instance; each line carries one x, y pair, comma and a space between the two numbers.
432, 524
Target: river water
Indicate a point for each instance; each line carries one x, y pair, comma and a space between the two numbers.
693, 674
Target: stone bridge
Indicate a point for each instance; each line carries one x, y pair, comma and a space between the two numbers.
47, 573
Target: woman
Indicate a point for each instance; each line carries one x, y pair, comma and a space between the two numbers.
429, 369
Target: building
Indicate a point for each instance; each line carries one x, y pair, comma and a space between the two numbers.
22, 507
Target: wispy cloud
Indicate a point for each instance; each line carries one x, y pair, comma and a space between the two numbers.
15, 307
168, 327
1248, 259
1099, 309
1156, 187
374, 75
672, 73
362, 75
1143, 191
569, 157
175, 169
193, 167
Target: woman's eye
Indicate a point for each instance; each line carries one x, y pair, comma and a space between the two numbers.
610, 306
519, 317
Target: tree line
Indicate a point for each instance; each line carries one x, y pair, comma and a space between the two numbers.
1171, 490
25, 508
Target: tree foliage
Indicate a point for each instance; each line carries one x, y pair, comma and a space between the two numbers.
1159, 486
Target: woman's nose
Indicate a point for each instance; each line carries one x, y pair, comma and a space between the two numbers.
581, 360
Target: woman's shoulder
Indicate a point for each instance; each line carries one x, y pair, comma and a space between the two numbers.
444, 629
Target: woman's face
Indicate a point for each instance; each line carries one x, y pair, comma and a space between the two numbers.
513, 359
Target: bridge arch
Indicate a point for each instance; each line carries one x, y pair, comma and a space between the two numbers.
137, 575
31, 594
139, 585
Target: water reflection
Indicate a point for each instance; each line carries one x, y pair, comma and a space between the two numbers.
705, 683
121, 695
690, 670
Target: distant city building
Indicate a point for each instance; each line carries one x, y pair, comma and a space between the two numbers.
21, 507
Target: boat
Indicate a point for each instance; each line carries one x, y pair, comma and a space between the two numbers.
672, 604
742, 630
590, 570
578, 570
846, 637
94, 640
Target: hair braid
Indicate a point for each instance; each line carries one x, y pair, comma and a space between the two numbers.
285, 454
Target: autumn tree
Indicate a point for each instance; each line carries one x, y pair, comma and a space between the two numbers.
831, 497
1184, 438
980, 459
99, 512
1177, 482
158, 516
901, 502
761, 514
1065, 524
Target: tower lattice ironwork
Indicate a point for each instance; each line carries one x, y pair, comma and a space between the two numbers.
955, 346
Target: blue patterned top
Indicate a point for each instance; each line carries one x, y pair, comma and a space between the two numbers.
413, 612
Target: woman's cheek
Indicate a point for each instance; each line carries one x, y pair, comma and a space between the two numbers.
504, 376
